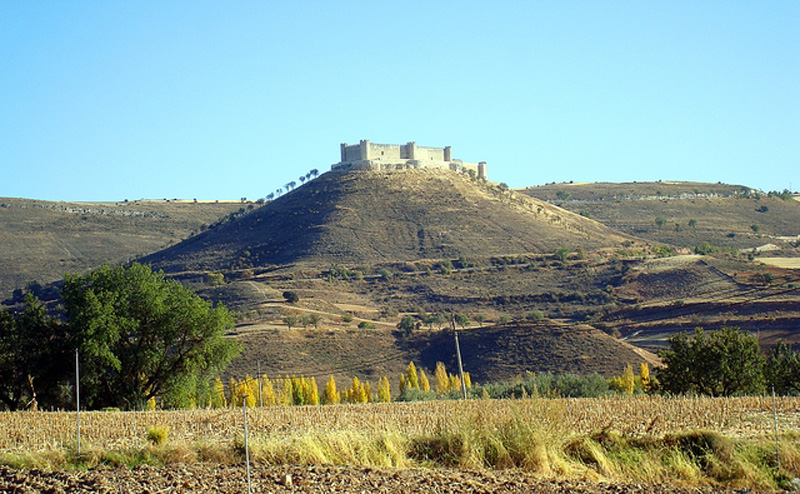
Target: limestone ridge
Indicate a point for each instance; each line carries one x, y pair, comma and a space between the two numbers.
386, 216
369, 156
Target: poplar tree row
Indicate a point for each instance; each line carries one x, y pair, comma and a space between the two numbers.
298, 391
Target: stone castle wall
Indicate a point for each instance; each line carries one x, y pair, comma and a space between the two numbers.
370, 156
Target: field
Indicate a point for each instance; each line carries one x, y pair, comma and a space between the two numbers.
685, 442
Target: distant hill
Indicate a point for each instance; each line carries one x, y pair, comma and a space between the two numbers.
490, 354
367, 217
42, 240
724, 215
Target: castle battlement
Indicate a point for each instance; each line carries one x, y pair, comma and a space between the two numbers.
370, 156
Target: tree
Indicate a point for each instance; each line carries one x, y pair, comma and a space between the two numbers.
411, 376
441, 379
331, 396
314, 320
406, 325
725, 362
462, 320
660, 221
783, 369
692, 223
479, 318
755, 228
424, 383
290, 320
562, 253
291, 296
141, 335
32, 348
384, 390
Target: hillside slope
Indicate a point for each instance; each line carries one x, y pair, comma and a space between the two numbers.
724, 215
490, 354
42, 240
366, 217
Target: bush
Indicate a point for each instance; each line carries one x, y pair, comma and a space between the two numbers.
366, 325
291, 296
157, 435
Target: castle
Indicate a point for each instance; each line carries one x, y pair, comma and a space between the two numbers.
369, 156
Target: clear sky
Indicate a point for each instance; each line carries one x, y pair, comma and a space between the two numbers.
218, 100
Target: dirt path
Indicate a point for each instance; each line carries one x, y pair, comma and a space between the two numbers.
199, 478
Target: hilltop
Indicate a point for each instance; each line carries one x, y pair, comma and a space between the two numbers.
693, 213
372, 216
43, 240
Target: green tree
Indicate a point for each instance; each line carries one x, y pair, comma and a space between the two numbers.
562, 253
660, 221
290, 320
462, 320
692, 223
725, 362
479, 318
755, 228
140, 335
783, 369
406, 325
314, 320
291, 296
33, 348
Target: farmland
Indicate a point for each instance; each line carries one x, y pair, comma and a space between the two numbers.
641, 439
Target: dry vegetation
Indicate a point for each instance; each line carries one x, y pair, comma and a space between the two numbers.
634, 439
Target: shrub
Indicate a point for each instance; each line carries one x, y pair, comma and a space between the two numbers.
157, 435
291, 296
365, 325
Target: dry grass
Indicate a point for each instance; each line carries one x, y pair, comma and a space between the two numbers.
653, 440
630, 416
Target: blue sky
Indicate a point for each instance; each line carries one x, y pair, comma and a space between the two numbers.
219, 100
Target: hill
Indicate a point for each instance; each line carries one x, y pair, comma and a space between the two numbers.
42, 240
369, 217
724, 215
490, 354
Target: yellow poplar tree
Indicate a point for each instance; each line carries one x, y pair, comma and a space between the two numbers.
467, 380
424, 384
644, 376
626, 383
441, 381
411, 373
252, 389
233, 388
151, 404
384, 390
286, 392
331, 397
218, 396
313, 392
368, 392
401, 383
455, 382
268, 391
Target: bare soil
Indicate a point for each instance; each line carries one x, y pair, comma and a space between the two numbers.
201, 478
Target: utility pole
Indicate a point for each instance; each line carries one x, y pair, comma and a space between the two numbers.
458, 356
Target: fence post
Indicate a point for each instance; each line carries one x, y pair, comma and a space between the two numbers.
246, 445
775, 420
78, 398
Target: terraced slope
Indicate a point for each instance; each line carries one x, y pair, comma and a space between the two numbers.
723, 215
42, 240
